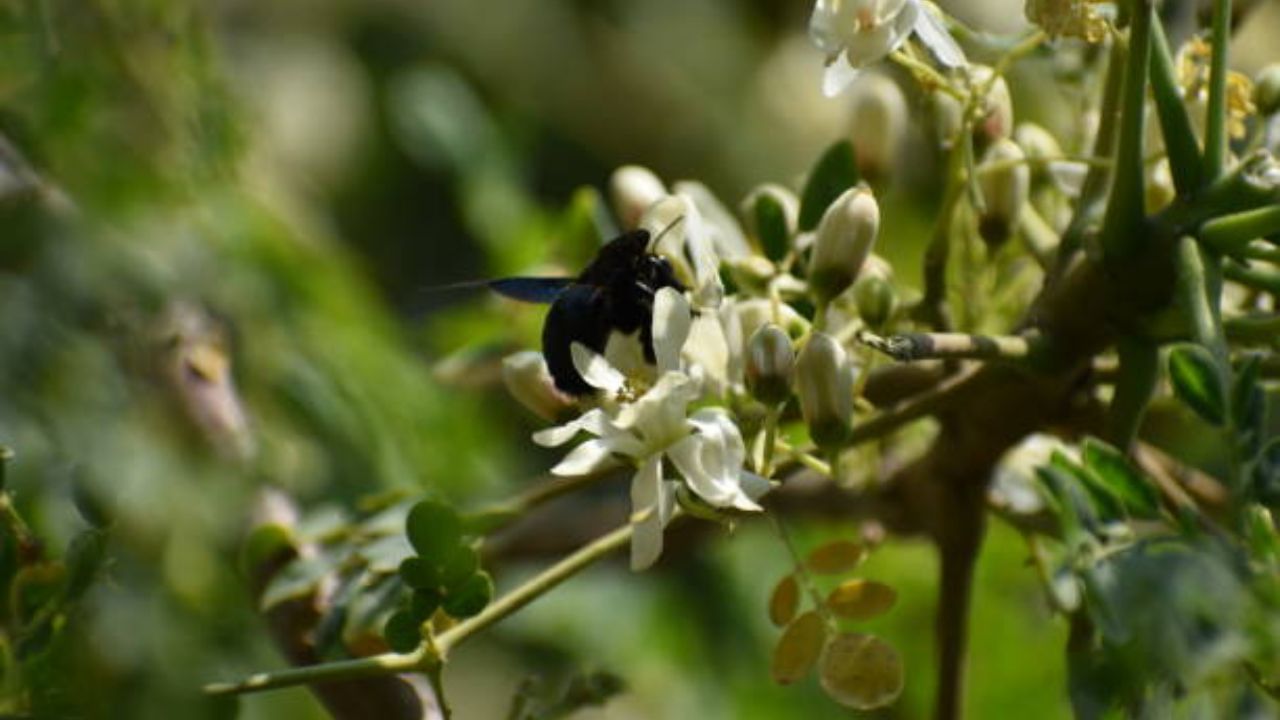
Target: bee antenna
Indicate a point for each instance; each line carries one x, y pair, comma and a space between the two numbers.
662, 233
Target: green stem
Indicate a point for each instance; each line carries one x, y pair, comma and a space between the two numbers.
1175, 123
1122, 234
1215, 133
1135, 386
907, 347
534, 588
385, 664
1194, 290
1230, 234
1093, 192
426, 658
1253, 329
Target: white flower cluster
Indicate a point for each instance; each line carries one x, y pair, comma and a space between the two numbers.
678, 420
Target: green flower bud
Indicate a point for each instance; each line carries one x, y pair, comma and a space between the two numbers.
770, 360
824, 384
876, 300
878, 123
1005, 183
843, 240
633, 190
751, 273
1266, 90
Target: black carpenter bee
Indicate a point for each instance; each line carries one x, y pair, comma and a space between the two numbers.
615, 292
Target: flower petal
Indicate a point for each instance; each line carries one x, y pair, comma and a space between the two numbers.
831, 23
647, 490
671, 322
933, 33
592, 421
691, 456
589, 457
838, 75
595, 369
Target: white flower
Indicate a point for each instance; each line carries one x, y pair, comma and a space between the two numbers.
706, 448
687, 241
857, 33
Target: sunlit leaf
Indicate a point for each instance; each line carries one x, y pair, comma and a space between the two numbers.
861, 599
1197, 382
1124, 481
433, 528
798, 648
297, 579
861, 671
835, 557
835, 172
784, 601
458, 566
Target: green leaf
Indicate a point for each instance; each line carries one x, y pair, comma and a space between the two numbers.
266, 544
419, 574
1109, 466
458, 566
836, 171
771, 226
403, 632
423, 603
1248, 405
471, 597
1093, 500
1197, 382
433, 529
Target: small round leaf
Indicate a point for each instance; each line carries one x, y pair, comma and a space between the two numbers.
861, 671
835, 557
419, 574
403, 631
458, 566
423, 603
798, 648
861, 599
433, 528
785, 601
471, 597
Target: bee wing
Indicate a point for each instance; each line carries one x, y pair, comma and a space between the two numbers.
530, 289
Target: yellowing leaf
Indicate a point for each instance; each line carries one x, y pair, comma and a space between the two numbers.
861, 671
835, 557
798, 648
784, 601
861, 599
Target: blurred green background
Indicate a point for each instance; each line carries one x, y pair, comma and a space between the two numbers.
269, 192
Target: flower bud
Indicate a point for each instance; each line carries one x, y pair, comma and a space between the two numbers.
824, 384
876, 301
770, 360
996, 119
772, 213
633, 190
1266, 90
526, 377
877, 124
843, 240
948, 114
1005, 182
1040, 147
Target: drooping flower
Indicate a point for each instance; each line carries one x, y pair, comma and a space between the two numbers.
857, 33
655, 428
